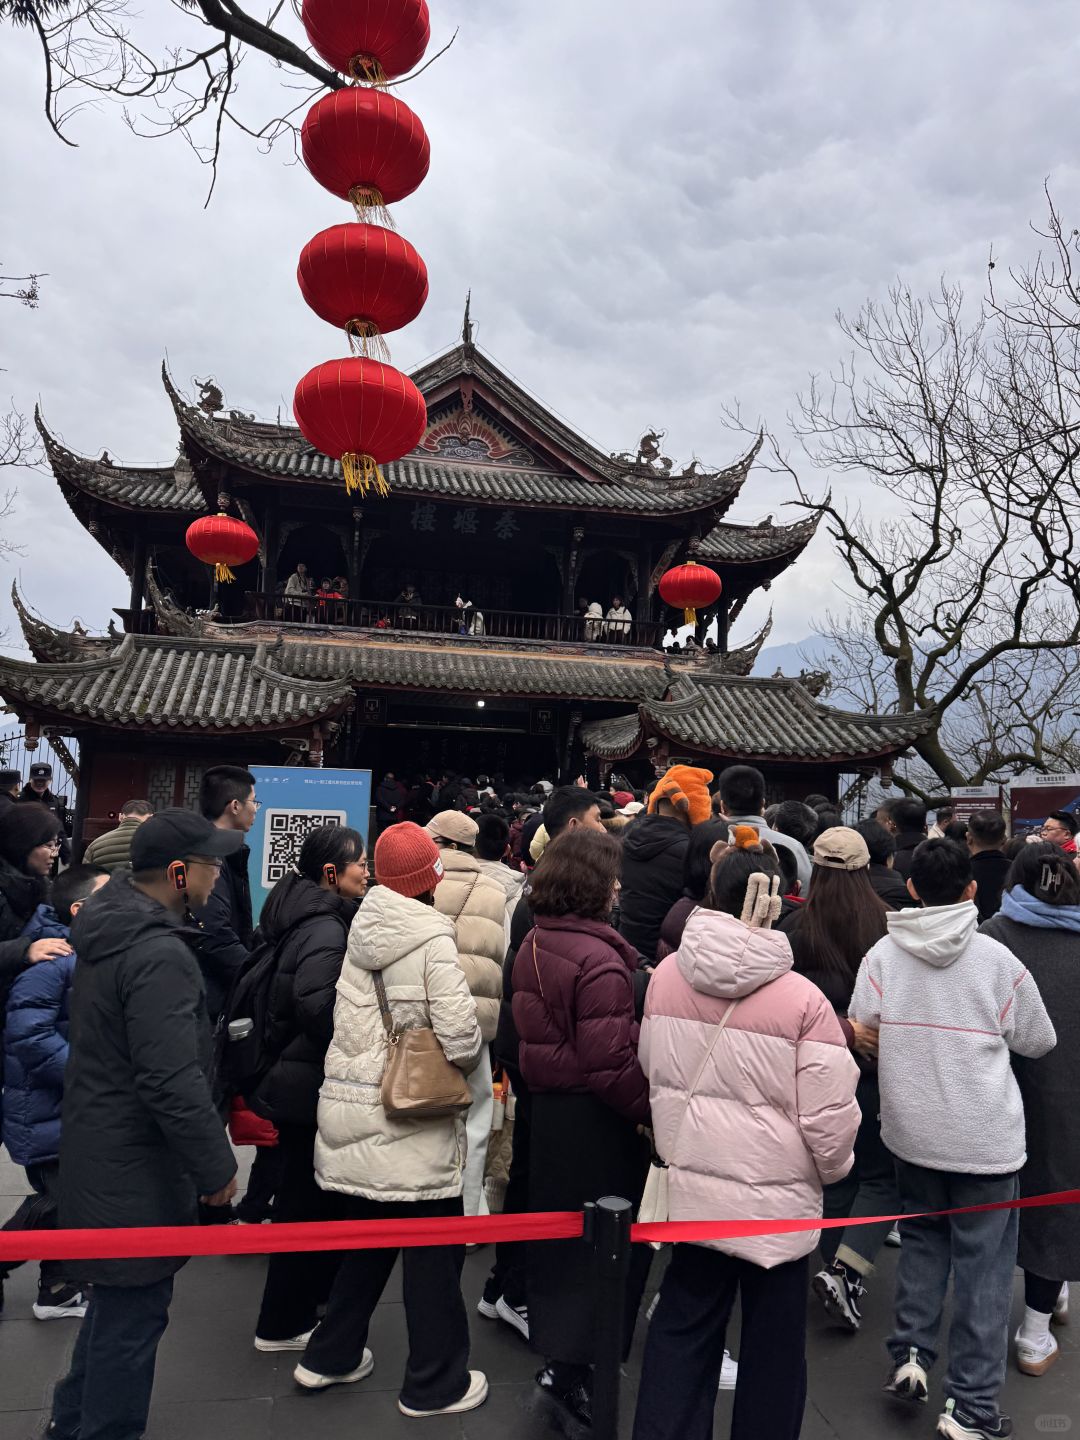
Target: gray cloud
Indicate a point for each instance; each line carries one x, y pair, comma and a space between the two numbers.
657, 208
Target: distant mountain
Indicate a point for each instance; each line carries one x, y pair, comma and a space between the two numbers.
814, 652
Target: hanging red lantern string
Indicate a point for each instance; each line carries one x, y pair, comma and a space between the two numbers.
367, 147
689, 588
365, 280
221, 541
362, 413
374, 42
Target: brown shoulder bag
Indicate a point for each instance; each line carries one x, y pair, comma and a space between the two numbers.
418, 1082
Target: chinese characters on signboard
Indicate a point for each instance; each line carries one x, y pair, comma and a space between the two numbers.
471, 520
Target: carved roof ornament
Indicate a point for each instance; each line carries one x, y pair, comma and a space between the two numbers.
648, 457
211, 400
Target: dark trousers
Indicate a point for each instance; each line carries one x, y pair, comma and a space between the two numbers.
106, 1393
263, 1181
869, 1188
1041, 1294
507, 1277
980, 1251
38, 1212
437, 1370
685, 1348
296, 1285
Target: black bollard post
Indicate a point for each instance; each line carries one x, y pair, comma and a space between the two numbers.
608, 1227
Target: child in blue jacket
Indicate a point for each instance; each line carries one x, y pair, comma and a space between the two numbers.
35, 1054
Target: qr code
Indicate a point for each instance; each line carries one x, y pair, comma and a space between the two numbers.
286, 831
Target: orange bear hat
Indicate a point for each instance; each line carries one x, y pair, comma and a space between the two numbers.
687, 788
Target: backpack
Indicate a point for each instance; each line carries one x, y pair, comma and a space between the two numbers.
241, 1064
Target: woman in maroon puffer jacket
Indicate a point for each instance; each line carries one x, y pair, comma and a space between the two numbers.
574, 1012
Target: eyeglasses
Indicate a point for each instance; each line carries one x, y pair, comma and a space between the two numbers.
53, 845
212, 861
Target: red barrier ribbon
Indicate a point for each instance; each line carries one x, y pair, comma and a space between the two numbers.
189, 1240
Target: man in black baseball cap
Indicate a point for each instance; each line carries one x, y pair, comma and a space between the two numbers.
141, 1142
38, 791
10, 780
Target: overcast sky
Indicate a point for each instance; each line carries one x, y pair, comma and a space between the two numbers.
658, 209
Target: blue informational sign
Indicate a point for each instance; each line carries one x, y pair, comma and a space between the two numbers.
292, 801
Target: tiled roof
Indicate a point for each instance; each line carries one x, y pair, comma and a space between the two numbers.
282, 450
49, 644
181, 684
751, 718
167, 488
751, 544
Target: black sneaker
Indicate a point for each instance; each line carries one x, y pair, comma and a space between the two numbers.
908, 1381
573, 1398
957, 1424
841, 1292
61, 1302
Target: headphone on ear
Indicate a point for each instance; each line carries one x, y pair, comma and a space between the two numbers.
330, 874
177, 873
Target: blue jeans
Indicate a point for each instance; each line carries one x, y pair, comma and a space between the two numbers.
981, 1252
106, 1393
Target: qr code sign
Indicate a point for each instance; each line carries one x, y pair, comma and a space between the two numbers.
285, 832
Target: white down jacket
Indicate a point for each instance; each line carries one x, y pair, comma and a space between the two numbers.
477, 906
359, 1149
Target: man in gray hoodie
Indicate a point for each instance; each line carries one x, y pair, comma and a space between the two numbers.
950, 1005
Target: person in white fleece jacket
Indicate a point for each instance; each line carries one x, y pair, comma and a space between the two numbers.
950, 1005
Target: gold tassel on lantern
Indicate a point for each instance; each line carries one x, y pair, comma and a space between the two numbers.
366, 338
370, 206
368, 71
362, 474
690, 616
223, 575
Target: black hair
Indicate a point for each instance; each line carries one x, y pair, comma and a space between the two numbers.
697, 866
797, 820
816, 801
72, 885
942, 808
564, 805
1066, 818
24, 827
940, 872
789, 869
987, 828
742, 790
1045, 873
221, 785
607, 807
491, 837
828, 818
336, 845
878, 841
908, 814
137, 807
731, 875
955, 830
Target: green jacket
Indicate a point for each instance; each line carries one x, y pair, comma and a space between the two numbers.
112, 851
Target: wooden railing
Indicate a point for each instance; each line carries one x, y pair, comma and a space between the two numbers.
476, 623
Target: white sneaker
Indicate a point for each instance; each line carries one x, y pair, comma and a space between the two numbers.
1034, 1357
474, 1396
63, 1304
1061, 1309
514, 1315
908, 1379
729, 1372
274, 1347
312, 1380
487, 1308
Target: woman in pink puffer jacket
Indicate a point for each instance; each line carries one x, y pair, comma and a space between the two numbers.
752, 1121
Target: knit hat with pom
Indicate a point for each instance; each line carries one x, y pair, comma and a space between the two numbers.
407, 860
687, 788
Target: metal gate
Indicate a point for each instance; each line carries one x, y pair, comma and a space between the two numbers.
62, 755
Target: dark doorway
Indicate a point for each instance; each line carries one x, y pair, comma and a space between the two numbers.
318, 548
604, 575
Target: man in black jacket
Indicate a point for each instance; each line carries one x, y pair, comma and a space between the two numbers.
38, 791
909, 819
141, 1141
10, 780
886, 882
985, 837
227, 800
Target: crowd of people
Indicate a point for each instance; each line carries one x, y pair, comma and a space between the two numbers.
776, 1014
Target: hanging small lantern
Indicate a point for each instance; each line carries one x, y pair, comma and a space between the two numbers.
221, 541
362, 413
367, 147
370, 42
365, 280
690, 588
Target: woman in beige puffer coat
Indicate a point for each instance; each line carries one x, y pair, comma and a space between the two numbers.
385, 1168
477, 905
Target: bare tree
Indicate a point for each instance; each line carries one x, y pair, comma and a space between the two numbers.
963, 578
91, 50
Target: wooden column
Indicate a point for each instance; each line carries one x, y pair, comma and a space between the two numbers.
271, 545
354, 553
722, 619
138, 579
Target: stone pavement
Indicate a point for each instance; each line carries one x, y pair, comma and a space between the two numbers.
212, 1383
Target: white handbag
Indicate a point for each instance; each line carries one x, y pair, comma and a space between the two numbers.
654, 1207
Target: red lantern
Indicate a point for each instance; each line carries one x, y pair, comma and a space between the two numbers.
690, 588
373, 41
366, 146
362, 413
363, 279
221, 541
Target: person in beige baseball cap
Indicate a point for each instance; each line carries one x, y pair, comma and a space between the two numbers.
477, 905
841, 849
